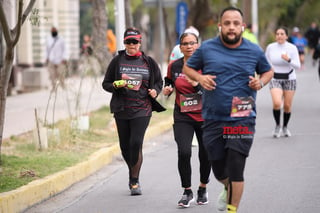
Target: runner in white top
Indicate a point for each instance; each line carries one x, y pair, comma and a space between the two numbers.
284, 58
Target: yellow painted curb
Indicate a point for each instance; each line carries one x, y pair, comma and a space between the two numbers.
39, 190
159, 128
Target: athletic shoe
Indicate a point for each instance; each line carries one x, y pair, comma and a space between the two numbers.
186, 200
286, 132
135, 189
202, 198
277, 132
222, 200
231, 209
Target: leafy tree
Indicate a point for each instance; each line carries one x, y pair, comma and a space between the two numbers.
285, 12
304, 13
129, 19
200, 15
11, 38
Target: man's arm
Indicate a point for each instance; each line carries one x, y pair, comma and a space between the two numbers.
206, 81
258, 83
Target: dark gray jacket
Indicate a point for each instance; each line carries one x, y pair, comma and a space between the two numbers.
112, 74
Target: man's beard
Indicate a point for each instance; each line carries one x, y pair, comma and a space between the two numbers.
231, 41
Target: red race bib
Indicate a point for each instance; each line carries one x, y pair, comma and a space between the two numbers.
190, 102
241, 106
133, 81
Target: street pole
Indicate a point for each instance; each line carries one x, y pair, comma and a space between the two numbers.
1, 49
254, 12
234, 3
162, 35
119, 13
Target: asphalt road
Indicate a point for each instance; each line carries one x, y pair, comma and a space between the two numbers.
282, 175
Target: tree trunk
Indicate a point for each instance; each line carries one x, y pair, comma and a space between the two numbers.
100, 26
11, 38
127, 7
5, 73
169, 43
271, 26
4, 81
200, 15
246, 9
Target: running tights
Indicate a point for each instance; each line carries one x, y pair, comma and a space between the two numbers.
131, 135
231, 167
183, 134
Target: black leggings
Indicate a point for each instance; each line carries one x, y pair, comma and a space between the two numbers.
131, 134
183, 134
231, 167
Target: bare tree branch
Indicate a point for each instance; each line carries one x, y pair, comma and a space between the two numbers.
17, 29
4, 24
22, 18
27, 11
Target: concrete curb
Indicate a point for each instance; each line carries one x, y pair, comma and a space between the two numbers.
39, 190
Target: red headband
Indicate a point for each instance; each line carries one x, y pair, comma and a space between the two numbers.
137, 37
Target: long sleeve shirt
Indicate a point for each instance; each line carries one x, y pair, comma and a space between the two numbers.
273, 54
56, 50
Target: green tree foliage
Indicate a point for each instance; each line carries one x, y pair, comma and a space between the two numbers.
292, 10
288, 13
306, 13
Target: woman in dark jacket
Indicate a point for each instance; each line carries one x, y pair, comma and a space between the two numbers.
135, 81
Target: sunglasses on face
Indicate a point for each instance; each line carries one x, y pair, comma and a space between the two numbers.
189, 43
131, 41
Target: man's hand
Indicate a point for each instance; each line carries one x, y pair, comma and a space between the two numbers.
207, 82
254, 83
192, 82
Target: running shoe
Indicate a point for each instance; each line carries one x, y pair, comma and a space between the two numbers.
286, 132
135, 189
231, 209
186, 200
202, 198
277, 132
222, 200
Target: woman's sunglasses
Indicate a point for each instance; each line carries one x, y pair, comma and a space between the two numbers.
131, 41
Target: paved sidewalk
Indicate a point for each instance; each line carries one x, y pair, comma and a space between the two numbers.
20, 109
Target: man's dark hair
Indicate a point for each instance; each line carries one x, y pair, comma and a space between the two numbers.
231, 8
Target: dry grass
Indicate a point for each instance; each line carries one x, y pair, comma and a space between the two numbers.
23, 162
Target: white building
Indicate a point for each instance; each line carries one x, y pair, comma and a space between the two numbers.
62, 14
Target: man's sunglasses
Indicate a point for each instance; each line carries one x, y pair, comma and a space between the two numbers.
131, 41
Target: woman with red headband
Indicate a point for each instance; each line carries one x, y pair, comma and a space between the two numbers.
134, 79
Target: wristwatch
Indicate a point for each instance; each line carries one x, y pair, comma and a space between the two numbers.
261, 84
